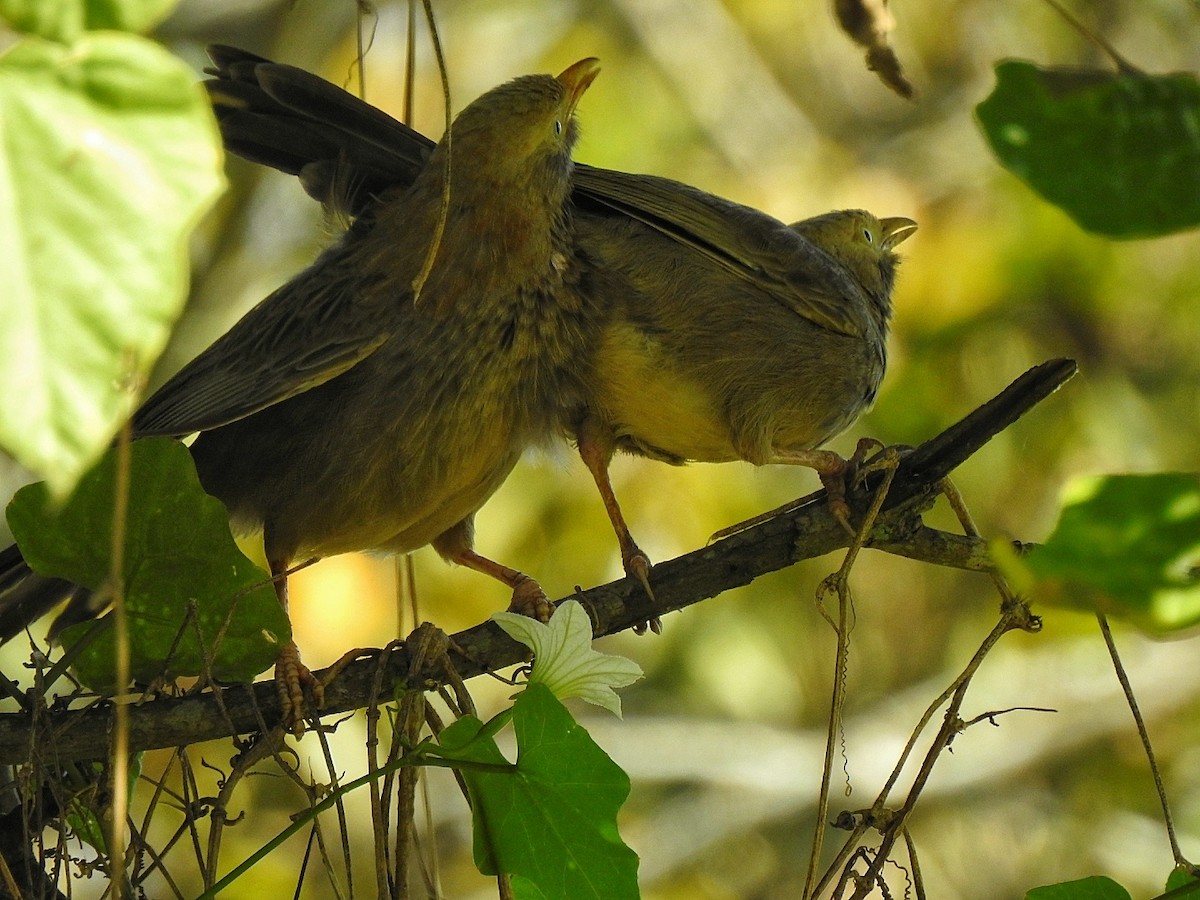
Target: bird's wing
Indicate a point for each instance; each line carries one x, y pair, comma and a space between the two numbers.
750, 244
345, 150
317, 326
309, 331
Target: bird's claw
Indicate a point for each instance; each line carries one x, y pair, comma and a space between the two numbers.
859, 467
528, 599
834, 483
840, 510
298, 689
654, 625
637, 566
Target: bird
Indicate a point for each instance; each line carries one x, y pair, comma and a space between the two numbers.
727, 334
732, 336
374, 402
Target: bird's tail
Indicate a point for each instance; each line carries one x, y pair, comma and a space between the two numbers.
345, 151
26, 596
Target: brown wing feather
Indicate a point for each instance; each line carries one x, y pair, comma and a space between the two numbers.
284, 346
750, 244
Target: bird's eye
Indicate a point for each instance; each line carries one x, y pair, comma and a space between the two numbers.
558, 126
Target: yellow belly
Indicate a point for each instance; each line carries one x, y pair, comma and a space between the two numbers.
641, 395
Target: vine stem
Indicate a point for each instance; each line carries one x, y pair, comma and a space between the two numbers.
1014, 615
887, 461
1127, 689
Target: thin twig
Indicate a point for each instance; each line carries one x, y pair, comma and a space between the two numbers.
119, 758
910, 847
343, 826
410, 62
951, 725
1124, 66
833, 727
955, 498
379, 818
444, 212
1144, 735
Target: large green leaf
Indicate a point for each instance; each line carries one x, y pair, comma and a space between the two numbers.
178, 548
109, 156
1180, 878
1118, 152
1124, 545
551, 818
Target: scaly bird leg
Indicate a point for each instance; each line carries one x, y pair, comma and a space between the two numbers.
835, 486
834, 472
293, 680
528, 599
596, 450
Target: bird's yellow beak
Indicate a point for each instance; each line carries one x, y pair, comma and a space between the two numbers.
578, 78
896, 230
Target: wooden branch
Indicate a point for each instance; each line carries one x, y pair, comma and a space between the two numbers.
805, 532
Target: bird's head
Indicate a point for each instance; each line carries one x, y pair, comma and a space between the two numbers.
525, 125
863, 244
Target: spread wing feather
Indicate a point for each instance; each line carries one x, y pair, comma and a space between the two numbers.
284, 346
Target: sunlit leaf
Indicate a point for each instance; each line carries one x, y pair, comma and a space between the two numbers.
65, 20
1180, 877
109, 157
1124, 545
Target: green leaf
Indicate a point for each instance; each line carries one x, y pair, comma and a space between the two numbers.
178, 547
1118, 152
1097, 887
551, 818
110, 155
469, 740
1124, 545
55, 20
65, 20
564, 660
1180, 877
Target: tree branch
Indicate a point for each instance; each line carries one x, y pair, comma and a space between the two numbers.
805, 532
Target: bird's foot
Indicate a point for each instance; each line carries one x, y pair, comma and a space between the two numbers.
859, 467
653, 625
528, 599
833, 479
637, 565
835, 472
839, 475
299, 690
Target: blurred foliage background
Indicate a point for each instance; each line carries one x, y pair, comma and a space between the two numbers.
767, 103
